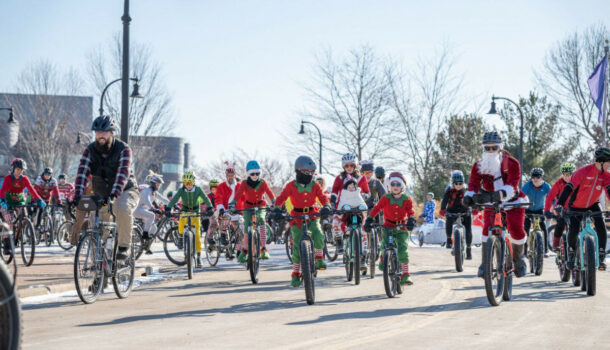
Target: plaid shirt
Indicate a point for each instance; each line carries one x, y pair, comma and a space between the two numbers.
122, 174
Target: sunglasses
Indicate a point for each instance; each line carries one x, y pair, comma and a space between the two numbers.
350, 166
255, 174
308, 172
491, 148
536, 177
566, 174
458, 183
395, 184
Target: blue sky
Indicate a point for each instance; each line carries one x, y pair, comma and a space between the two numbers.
235, 68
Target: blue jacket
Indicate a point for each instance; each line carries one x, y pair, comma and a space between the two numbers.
429, 212
536, 195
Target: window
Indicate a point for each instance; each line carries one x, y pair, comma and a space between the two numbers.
170, 168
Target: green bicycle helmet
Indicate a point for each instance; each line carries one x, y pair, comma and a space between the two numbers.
568, 168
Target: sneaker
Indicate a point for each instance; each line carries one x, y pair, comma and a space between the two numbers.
264, 254
211, 241
520, 267
242, 257
571, 258
449, 244
296, 279
179, 241
122, 253
6, 249
148, 251
405, 279
468, 253
320, 264
198, 261
481, 271
602, 260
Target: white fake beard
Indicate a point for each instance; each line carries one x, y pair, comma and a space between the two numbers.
490, 163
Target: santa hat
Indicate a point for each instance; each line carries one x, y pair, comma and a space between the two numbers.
230, 167
349, 180
396, 176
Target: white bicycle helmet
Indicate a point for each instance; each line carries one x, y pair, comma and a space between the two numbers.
349, 158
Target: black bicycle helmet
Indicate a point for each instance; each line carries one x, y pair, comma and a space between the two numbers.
61, 176
602, 154
379, 171
537, 172
47, 171
305, 164
104, 123
492, 137
19, 163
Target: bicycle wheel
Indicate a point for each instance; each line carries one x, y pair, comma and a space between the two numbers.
188, 253
27, 241
253, 254
561, 258
137, 241
590, 265
373, 252
576, 271
507, 292
539, 252
47, 227
173, 246
64, 232
307, 268
7, 258
122, 278
420, 238
493, 270
288, 243
212, 252
88, 273
10, 311
348, 259
357, 246
458, 250
330, 248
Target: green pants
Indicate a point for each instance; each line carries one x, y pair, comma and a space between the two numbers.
260, 217
401, 240
315, 231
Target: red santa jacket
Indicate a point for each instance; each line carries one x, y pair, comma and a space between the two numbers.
224, 193
510, 170
395, 211
46, 189
12, 189
338, 186
253, 196
303, 198
553, 195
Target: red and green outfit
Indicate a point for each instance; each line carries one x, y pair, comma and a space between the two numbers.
251, 194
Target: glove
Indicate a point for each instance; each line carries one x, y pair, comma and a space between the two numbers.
442, 212
497, 196
549, 215
41, 203
411, 224
232, 206
368, 224
3, 204
209, 212
168, 211
333, 201
221, 212
558, 210
468, 201
325, 211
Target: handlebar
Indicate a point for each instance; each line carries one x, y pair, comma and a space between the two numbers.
586, 213
457, 215
500, 206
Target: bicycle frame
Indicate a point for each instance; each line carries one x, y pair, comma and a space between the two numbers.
587, 230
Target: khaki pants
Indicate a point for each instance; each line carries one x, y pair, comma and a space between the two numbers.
123, 208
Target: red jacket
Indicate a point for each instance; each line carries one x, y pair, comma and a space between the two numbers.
338, 186
12, 189
553, 195
302, 197
223, 194
588, 185
510, 170
253, 197
46, 189
396, 210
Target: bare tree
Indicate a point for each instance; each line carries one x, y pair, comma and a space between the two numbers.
564, 74
49, 115
349, 101
422, 100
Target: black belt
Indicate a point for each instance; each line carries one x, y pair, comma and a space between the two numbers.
303, 210
255, 203
401, 222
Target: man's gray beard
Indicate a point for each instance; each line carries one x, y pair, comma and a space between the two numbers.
489, 163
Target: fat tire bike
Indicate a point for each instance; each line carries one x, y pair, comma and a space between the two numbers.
535, 244
353, 251
459, 239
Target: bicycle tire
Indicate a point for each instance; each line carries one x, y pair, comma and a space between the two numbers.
493, 254
47, 230
288, 244
539, 252
389, 282
373, 252
507, 291
576, 280
27, 236
590, 265
330, 246
122, 278
212, 253
84, 250
458, 253
307, 268
560, 259
187, 254
357, 241
64, 232
137, 241
11, 325
348, 259
4, 257
253, 256
169, 244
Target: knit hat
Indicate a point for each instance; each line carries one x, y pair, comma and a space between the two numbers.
367, 165
230, 167
349, 180
253, 167
396, 176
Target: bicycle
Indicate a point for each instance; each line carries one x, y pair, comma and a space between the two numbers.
173, 244
587, 252
498, 256
306, 252
44, 230
332, 244
254, 244
64, 231
352, 243
373, 252
95, 259
213, 252
391, 266
288, 244
24, 234
535, 244
10, 309
459, 239
561, 258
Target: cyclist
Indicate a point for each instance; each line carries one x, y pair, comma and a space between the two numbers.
303, 192
146, 206
380, 175
349, 163
350, 196
397, 208
108, 160
224, 195
251, 193
66, 189
376, 187
495, 178
537, 190
567, 170
582, 194
191, 195
429, 208
206, 223
11, 193
47, 189
452, 203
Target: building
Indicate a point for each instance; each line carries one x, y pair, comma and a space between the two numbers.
161, 154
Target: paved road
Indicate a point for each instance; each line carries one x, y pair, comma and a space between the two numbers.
220, 308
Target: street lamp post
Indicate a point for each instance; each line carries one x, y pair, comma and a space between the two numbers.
134, 94
302, 132
493, 111
125, 76
78, 140
11, 118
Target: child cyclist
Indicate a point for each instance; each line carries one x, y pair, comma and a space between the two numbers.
191, 196
252, 192
397, 208
303, 192
452, 203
